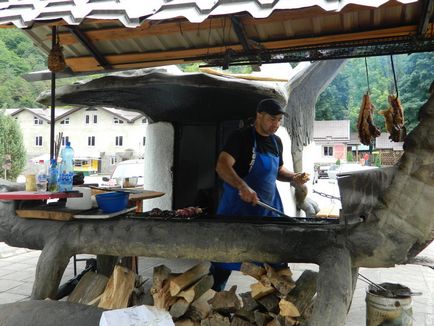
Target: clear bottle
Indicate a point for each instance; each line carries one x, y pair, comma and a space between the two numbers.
41, 177
31, 176
53, 175
66, 170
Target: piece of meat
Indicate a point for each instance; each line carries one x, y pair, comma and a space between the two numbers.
365, 124
398, 131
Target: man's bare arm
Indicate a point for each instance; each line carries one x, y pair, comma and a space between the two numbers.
287, 176
227, 173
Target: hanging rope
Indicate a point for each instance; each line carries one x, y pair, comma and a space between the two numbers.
394, 75
367, 75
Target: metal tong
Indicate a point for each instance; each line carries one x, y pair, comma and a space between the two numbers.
271, 208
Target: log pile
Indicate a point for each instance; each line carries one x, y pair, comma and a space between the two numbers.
274, 300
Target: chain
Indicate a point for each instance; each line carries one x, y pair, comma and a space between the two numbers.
326, 195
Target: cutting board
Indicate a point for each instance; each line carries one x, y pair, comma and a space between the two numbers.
57, 214
65, 214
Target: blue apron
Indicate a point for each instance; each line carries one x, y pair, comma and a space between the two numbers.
262, 179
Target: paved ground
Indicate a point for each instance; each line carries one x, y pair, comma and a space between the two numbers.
17, 271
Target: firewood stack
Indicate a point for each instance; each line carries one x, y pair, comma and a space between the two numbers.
275, 300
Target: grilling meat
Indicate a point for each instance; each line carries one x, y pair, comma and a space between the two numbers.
365, 124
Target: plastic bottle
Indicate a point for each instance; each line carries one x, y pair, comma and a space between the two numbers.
31, 176
66, 171
41, 177
53, 175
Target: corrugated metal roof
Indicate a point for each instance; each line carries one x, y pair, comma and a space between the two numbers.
331, 131
128, 34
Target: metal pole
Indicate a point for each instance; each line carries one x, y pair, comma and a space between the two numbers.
53, 96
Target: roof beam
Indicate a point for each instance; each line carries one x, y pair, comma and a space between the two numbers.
75, 30
426, 14
152, 59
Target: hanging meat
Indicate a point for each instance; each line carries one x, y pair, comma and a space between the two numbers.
365, 124
394, 119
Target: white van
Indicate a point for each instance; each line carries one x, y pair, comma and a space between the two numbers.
126, 174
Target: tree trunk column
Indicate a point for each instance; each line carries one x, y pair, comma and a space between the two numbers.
334, 288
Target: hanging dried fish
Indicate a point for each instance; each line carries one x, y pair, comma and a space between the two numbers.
394, 119
365, 124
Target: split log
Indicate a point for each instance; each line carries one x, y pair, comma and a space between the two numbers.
283, 283
288, 309
162, 297
91, 286
216, 320
304, 291
200, 308
285, 321
270, 303
245, 314
252, 270
237, 321
225, 302
197, 289
249, 303
118, 289
259, 290
186, 322
261, 318
160, 274
179, 308
186, 279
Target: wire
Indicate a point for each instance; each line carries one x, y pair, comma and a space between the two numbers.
367, 75
394, 75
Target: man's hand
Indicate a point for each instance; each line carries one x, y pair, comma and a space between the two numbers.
301, 178
248, 195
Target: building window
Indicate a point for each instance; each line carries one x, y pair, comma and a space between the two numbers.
65, 139
113, 160
91, 141
328, 150
144, 141
65, 121
119, 140
93, 117
37, 121
117, 120
38, 141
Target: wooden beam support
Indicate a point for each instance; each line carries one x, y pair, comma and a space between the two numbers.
150, 59
88, 44
425, 17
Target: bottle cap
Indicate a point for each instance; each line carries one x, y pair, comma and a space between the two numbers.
68, 143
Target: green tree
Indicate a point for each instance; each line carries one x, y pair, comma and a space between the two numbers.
414, 75
11, 143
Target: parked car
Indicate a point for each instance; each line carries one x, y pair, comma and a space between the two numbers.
126, 174
335, 170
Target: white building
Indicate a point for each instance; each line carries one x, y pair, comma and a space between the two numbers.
99, 133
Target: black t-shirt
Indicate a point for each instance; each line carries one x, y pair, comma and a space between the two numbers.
240, 144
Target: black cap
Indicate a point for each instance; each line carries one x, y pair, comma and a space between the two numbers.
270, 106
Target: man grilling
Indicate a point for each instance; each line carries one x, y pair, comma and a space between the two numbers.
250, 164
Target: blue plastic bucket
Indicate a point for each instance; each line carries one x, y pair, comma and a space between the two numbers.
111, 202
